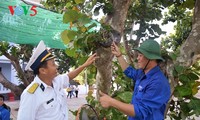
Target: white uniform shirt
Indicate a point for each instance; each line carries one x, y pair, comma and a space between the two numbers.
46, 103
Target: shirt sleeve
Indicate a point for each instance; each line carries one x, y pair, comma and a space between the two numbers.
131, 72
63, 80
27, 109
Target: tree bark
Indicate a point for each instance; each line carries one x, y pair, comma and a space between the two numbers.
104, 69
25, 77
104, 63
190, 50
15, 89
16, 64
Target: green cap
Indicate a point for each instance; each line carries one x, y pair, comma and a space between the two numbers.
150, 49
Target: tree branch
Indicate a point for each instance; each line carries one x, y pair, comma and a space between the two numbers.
190, 50
16, 90
16, 64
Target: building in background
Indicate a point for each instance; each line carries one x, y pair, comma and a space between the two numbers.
9, 72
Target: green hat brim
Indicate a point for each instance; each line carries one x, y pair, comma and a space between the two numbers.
149, 55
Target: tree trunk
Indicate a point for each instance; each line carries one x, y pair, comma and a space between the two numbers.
104, 69
190, 50
15, 89
104, 63
25, 77
20, 72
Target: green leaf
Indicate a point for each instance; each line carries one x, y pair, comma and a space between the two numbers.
93, 25
64, 37
174, 115
195, 88
71, 52
188, 4
125, 96
84, 20
68, 5
185, 110
193, 76
179, 69
68, 35
184, 91
71, 34
175, 73
173, 56
14, 51
184, 78
83, 29
156, 28
82, 60
79, 1
195, 105
4, 46
70, 16
94, 2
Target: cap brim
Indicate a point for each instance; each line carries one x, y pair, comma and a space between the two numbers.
149, 56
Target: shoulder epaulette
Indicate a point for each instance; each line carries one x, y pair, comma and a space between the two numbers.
32, 89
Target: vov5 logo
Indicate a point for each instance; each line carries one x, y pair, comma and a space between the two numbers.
20, 10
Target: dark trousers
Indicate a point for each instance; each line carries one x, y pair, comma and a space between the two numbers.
69, 94
76, 91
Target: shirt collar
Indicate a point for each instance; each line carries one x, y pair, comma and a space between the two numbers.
42, 85
153, 71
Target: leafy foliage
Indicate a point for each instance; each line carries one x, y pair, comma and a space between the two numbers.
17, 52
183, 17
18, 55
183, 100
64, 61
184, 104
119, 90
143, 13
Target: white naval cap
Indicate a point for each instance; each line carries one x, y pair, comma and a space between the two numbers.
39, 55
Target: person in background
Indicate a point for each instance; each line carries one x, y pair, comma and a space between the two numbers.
4, 109
76, 91
69, 91
45, 98
151, 90
73, 90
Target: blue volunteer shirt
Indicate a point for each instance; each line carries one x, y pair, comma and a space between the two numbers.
4, 113
151, 93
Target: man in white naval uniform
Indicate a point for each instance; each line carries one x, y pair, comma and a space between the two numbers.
44, 98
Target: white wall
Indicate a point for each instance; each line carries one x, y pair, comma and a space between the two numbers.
83, 89
6, 71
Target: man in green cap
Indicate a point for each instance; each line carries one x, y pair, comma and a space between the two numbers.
152, 89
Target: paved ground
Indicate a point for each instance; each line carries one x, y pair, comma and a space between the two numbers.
73, 104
